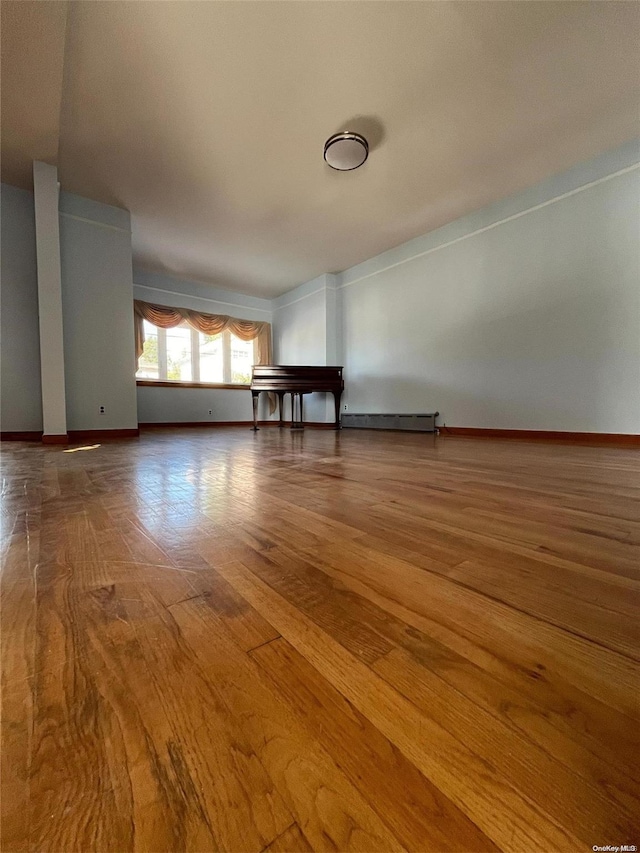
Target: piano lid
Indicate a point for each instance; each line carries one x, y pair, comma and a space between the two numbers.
296, 377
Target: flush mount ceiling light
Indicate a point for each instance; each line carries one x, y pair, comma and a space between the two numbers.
346, 151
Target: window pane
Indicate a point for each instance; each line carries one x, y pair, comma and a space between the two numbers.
241, 360
211, 359
148, 367
179, 353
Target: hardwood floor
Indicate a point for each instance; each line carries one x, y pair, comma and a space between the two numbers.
215, 640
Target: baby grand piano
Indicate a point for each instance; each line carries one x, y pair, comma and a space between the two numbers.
292, 379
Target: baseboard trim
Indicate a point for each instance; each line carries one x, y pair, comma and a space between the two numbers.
101, 434
193, 424
21, 436
311, 424
55, 439
72, 436
218, 424
606, 438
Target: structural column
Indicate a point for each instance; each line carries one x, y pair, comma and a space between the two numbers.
333, 331
54, 410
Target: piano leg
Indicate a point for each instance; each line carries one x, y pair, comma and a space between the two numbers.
296, 424
281, 407
336, 401
254, 400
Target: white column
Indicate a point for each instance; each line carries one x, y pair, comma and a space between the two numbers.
333, 332
54, 410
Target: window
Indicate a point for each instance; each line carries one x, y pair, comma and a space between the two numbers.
183, 354
148, 364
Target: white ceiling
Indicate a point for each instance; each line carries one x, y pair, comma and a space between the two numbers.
207, 119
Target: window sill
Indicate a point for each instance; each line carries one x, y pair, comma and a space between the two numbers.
162, 383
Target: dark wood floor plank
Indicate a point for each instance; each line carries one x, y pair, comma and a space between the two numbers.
71, 755
584, 807
561, 602
507, 632
439, 756
291, 841
330, 811
421, 817
218, 768
607, 555
336, 610
248, 628
512, 671
18, 659
567, 723
16, 713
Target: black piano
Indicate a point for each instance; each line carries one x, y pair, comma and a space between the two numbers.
292, 379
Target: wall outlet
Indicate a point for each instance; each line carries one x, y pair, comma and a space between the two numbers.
101, 410
345, 407
210, 411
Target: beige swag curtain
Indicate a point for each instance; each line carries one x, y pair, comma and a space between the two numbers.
208, 324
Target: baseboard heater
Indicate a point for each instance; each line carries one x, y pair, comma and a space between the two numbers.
412, 423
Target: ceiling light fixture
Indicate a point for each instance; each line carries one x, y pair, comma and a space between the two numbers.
346, 151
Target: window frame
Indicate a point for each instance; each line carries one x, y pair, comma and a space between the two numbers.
194, 382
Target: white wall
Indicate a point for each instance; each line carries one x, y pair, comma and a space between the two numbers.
97, 298
21, 402
188, 405
523, 316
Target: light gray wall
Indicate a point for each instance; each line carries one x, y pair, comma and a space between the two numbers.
97, 294
21, 403
188, 405
300, 325
192, 405
300, 337
523, 316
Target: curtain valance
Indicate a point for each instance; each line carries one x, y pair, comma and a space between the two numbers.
209, 324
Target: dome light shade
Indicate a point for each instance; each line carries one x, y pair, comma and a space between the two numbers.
346, 151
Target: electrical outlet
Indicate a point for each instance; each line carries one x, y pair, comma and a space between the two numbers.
210, 411
101, 410
345, 407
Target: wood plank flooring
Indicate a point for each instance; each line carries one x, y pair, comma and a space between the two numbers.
221, 641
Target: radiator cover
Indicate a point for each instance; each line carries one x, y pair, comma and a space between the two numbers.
412, 423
